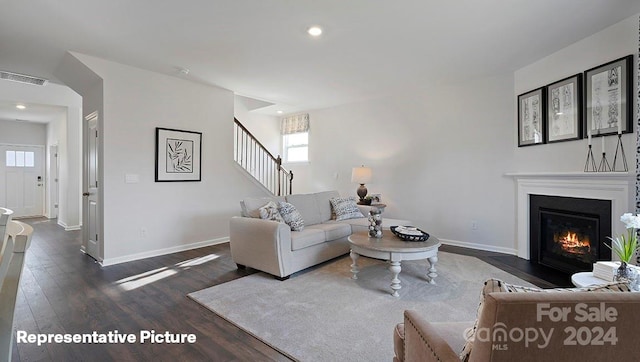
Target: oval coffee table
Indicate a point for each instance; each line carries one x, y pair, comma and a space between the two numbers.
393, 250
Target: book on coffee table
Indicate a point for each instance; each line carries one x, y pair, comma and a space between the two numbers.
607, 269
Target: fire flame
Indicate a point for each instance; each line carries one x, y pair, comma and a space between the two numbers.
571, 243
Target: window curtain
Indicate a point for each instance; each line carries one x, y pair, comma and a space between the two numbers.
295, 124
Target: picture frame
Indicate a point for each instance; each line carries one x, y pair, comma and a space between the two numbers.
608, 104
531, 117
178, 155
564, 109
375, 198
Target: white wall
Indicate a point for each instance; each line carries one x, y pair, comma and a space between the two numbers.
22, 133
175, 215
614, 42
438, 157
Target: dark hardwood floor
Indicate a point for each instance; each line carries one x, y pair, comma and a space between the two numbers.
64, 291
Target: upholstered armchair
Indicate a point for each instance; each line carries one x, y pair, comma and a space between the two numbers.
555, 326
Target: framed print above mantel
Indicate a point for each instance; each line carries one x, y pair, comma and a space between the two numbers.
531, 117
608, 98
178, 155
564, 109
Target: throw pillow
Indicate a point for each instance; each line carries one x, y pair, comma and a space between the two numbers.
345, 208
496, 285
270, 212
291, 216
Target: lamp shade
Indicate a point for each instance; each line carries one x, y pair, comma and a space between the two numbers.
361, 175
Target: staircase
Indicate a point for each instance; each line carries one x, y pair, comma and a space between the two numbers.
254, 158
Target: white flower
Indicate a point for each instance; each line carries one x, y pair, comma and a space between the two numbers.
631, 221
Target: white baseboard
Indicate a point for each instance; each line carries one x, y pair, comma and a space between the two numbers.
476, 246
158, 252
69, 228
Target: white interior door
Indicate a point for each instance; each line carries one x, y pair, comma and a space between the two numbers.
22, 173
91, 191
54, 168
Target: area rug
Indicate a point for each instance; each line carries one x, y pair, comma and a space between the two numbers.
324, 315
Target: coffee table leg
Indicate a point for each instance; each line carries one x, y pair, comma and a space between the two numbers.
395, 282
432, 270
354, 265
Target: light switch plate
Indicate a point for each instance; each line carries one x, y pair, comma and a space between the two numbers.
131, 178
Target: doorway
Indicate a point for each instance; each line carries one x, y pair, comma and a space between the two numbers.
22, 183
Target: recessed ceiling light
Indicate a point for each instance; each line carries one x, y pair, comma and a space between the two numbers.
21, 106
314, 31
279, 112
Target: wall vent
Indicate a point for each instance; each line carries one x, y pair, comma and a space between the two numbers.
22, 78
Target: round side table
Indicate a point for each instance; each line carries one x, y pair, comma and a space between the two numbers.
585, 279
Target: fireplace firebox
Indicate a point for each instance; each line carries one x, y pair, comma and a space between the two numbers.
567, 233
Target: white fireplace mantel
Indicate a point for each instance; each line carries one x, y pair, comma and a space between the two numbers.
618, 187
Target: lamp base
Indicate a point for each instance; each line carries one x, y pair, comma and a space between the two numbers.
362, 192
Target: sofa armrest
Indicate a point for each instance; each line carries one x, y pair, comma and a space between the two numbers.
422, 342
261, 244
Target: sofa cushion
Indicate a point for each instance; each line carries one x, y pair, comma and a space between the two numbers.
345, 208
333, 231
307, 237
307, 206
291, 216
251, 205
270, 212
324, 205
496, 285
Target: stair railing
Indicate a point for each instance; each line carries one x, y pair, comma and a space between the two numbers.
254, 158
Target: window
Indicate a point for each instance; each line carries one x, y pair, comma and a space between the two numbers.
295, 138
20, 159
296, 147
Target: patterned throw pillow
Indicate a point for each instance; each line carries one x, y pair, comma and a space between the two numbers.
345, 208
270, 212
291, 216
496, 285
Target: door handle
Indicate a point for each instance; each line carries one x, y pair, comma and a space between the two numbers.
85, 194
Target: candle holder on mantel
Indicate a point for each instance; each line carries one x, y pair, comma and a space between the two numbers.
622, 157
604, 164
590, 165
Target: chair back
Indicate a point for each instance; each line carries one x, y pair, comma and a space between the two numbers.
5, 217
18, 240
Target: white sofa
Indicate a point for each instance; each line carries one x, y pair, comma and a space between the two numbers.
273, 248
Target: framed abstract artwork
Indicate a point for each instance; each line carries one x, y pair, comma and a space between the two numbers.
531, 118
608, 98
178, 155
564, 109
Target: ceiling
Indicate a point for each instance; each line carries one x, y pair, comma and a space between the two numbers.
38, 113
260, 48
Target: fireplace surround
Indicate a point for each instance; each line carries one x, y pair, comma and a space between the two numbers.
617, 187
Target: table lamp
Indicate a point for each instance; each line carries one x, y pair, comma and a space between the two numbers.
361, 175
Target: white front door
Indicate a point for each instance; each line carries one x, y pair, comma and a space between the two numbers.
22, 179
